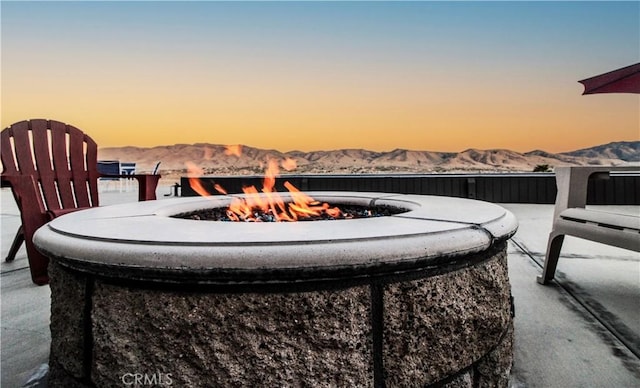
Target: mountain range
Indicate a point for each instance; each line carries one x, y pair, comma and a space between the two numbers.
216, 159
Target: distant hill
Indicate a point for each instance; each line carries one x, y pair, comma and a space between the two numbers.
629, 151
213, 159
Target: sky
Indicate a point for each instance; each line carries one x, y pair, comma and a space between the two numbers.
437, 76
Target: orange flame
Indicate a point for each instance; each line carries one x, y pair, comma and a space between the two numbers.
289, 164
193, 172
235, 149
270, 176
255, 205
207, 153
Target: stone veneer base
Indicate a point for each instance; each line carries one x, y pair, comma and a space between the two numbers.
450, 326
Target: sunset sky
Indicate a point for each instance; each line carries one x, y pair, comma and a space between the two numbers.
323, 75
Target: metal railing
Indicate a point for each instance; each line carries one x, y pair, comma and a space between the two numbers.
619, 189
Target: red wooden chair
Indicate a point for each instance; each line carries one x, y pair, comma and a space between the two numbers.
51, 168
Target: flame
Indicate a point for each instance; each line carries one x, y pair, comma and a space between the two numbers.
235, 149
207, 153
265, 204
289, 164
220, 189
270, 176
272, 204
193, 172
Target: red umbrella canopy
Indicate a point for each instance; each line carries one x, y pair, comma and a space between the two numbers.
625, 80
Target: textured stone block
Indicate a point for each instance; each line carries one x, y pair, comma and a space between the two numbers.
320, 338
464, 380
437, 326
494, 369
67, 321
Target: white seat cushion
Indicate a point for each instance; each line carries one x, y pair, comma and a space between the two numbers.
615, 220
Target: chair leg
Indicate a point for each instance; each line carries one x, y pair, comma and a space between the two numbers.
38, 265
15, 245
551, 260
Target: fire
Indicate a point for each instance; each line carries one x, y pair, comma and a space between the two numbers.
270, 176
267, 203
220, 189
289, 164
235, 149
207, 153
195, 183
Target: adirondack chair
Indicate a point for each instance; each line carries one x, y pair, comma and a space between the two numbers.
51, 168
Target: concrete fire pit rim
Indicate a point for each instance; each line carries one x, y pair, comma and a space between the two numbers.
408, 236
150, 222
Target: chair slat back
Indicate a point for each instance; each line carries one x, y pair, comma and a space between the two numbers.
59, 156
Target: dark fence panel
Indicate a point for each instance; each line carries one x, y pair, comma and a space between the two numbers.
620, 189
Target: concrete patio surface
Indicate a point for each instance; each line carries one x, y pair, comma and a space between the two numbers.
582, 330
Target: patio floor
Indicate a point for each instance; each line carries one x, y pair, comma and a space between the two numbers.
582, 330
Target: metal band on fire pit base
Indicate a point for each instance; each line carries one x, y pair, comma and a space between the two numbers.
409, 300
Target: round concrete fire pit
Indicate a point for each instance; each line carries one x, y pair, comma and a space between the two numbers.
417, 298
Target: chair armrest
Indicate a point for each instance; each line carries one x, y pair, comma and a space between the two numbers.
26, 192
147, 184
572, 183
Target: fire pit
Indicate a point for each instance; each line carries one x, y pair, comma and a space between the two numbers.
415, 298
